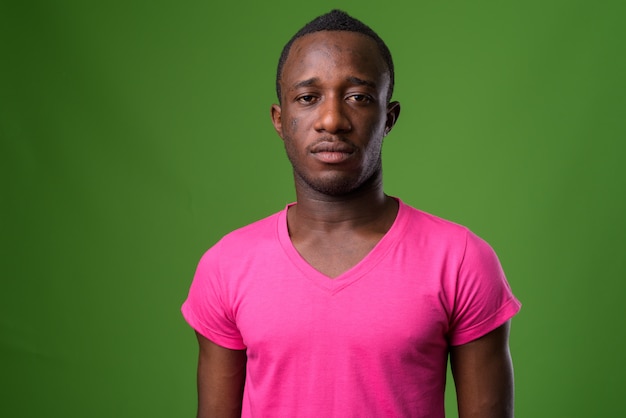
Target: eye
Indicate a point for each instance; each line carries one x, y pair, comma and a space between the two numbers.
306, 99
360, 98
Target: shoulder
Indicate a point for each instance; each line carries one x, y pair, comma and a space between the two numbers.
426, 226
429, 221
241, 242
442, 235
262, 229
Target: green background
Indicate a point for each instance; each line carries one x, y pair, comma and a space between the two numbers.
135, 134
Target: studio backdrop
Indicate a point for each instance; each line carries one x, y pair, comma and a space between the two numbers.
133, 135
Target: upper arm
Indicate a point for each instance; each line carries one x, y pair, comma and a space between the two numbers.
221, 376
483, 375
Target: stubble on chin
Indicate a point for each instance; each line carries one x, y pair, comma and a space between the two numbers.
336, 184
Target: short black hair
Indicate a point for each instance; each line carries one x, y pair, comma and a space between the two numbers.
337, 20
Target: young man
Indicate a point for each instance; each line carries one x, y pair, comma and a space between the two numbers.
348, 302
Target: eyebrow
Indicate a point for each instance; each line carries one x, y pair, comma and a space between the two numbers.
361, 82
306, 83
354, 80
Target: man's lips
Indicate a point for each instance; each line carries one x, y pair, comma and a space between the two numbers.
332, 152
332, 157
335, 146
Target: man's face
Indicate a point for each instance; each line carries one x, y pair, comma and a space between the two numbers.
333, 113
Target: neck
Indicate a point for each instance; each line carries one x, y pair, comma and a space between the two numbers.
367, 206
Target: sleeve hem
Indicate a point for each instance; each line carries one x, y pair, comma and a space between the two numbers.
219, 339
506, 312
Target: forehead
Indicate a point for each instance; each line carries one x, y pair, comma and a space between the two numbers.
334, 52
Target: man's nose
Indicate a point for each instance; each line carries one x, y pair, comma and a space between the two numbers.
333, 117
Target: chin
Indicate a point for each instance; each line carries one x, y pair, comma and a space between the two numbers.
336, 185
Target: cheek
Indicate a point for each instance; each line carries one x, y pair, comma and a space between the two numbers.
294, 125
375, 132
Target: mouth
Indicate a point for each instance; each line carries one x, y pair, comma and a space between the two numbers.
332, 152
332, 157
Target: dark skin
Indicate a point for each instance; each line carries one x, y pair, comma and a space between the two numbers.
483, 376
221, 375
332, 119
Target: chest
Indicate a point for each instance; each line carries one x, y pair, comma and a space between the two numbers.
354, 342
374, 313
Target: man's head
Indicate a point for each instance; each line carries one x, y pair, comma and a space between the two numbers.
335, 110
336, 20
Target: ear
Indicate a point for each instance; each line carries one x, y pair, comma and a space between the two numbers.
277, 119
393, 113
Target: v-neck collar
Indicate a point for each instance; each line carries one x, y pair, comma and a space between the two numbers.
334, 285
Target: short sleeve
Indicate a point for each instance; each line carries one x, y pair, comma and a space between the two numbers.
483, 297
207, 307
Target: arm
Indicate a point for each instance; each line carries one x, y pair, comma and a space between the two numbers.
483, 376
221, 376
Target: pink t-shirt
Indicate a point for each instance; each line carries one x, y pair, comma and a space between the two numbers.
372, 342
